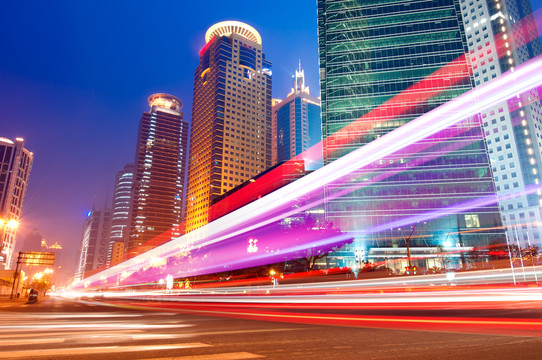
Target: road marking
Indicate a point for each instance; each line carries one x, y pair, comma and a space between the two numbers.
86, 339
64, 333
95, 350
95, 326
223, 356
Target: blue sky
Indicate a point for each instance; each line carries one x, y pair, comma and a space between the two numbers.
75, 76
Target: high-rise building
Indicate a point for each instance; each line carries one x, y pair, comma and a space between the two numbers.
230, 140
122, 205
160, 171
382, 64
94, 242
501, 35
297, 121
15, 166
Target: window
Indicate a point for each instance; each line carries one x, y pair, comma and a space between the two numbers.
472, 221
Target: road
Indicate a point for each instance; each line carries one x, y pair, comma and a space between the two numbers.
66, 329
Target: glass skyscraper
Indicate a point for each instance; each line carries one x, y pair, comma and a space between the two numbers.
160, 171
230, 139
94, 243
382, 64
120, 211
297, 121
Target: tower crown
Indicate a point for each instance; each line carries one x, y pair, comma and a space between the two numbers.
165, 101
226, 28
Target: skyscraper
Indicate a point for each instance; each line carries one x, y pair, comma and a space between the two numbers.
160, 171
298, 121
94, 242
15, 166
230, 139
500, 36
122, 205
382, 64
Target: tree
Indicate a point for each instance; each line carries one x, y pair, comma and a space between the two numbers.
320, 229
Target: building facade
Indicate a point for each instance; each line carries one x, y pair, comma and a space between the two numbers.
160, 171
15, 166
500, 36
297, 120
121, 208
230, 140
383, 64
94, 242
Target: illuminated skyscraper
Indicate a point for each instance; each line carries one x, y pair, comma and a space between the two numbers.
15, 166
122, 205
160, 171
373, 53
94, 242
500, 36
298, 122
230, 139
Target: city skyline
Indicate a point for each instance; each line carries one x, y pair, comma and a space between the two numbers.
89, 98
85, 112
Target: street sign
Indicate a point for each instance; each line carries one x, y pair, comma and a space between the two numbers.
36, 258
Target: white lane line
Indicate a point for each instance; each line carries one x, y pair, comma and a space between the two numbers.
96, 339
26, 334
95, 350
223, 356
95, 326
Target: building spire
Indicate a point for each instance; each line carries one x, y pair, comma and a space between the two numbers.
299, 81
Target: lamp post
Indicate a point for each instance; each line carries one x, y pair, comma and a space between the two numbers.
408, 250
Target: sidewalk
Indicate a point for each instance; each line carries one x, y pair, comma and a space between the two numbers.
6, 302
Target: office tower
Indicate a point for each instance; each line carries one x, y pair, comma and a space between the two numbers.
116, 254
230, 140
160, 171
383, 64
121, 207
500, 36
33, 241
15, 166
94, 242
298, 122
274, 102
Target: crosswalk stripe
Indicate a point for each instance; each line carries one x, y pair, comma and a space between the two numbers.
95, 350
223, 356
26, 334
109, 338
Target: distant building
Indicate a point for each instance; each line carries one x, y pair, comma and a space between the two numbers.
33, 241
297, 121
160, 171
15, 166
94, 242
121, 207
231, 116
501, 36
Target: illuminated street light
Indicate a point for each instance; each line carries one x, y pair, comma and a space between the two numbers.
10, 224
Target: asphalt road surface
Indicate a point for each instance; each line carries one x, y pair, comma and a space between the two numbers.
63, 329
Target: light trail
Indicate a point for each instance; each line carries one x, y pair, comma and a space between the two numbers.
231, 229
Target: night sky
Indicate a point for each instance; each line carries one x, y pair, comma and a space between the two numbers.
75, 77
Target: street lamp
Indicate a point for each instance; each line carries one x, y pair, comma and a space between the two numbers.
9, 224
408, 251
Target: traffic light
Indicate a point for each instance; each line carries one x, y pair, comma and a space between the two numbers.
414, 270
407, 270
